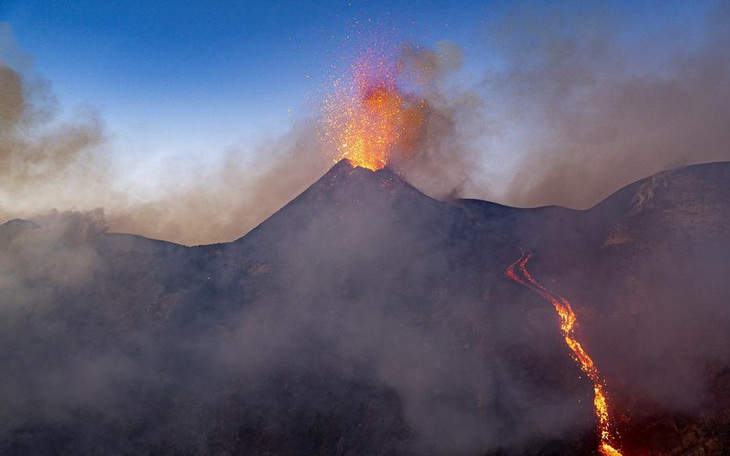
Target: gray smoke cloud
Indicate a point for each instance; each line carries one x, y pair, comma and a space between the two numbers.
35, 150
454, 123
301, 333
601, 103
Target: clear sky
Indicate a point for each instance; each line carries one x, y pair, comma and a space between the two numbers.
557, 102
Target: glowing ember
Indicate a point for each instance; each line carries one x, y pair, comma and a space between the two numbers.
367, 117
567, 324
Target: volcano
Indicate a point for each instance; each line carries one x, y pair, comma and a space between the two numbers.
367, 318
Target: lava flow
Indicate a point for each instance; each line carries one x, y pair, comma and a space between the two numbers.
367, 117
517, 272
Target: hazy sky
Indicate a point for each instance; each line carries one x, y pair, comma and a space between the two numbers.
195, 105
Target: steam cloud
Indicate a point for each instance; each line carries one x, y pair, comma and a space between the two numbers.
38, 154
576, 108
602, 104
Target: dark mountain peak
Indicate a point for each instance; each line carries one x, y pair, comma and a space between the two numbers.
344, 175
14, 228
16, 224
681, 204
349, 194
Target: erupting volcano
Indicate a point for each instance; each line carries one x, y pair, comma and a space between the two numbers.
568, 320
367, 117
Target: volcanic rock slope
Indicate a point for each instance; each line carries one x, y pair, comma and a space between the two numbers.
367, 318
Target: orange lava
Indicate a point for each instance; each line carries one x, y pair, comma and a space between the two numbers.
517, 272
367, 118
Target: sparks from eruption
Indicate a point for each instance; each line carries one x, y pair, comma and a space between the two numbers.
517, 272
367, 117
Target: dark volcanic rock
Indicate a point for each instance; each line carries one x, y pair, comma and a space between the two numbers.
367, 318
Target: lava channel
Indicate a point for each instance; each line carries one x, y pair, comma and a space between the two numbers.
517, 272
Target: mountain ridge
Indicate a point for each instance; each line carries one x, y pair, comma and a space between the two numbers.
366, 317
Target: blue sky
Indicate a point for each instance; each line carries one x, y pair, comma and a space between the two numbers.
197, 77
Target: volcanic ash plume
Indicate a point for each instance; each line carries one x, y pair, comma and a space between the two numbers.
37, 152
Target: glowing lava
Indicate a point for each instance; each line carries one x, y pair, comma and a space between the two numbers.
367, 118
567, 325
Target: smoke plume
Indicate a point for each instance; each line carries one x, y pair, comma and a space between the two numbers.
593, 103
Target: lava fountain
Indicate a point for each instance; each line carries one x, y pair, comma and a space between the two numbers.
367, 117
517, 272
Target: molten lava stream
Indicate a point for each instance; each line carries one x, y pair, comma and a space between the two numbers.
517, 272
